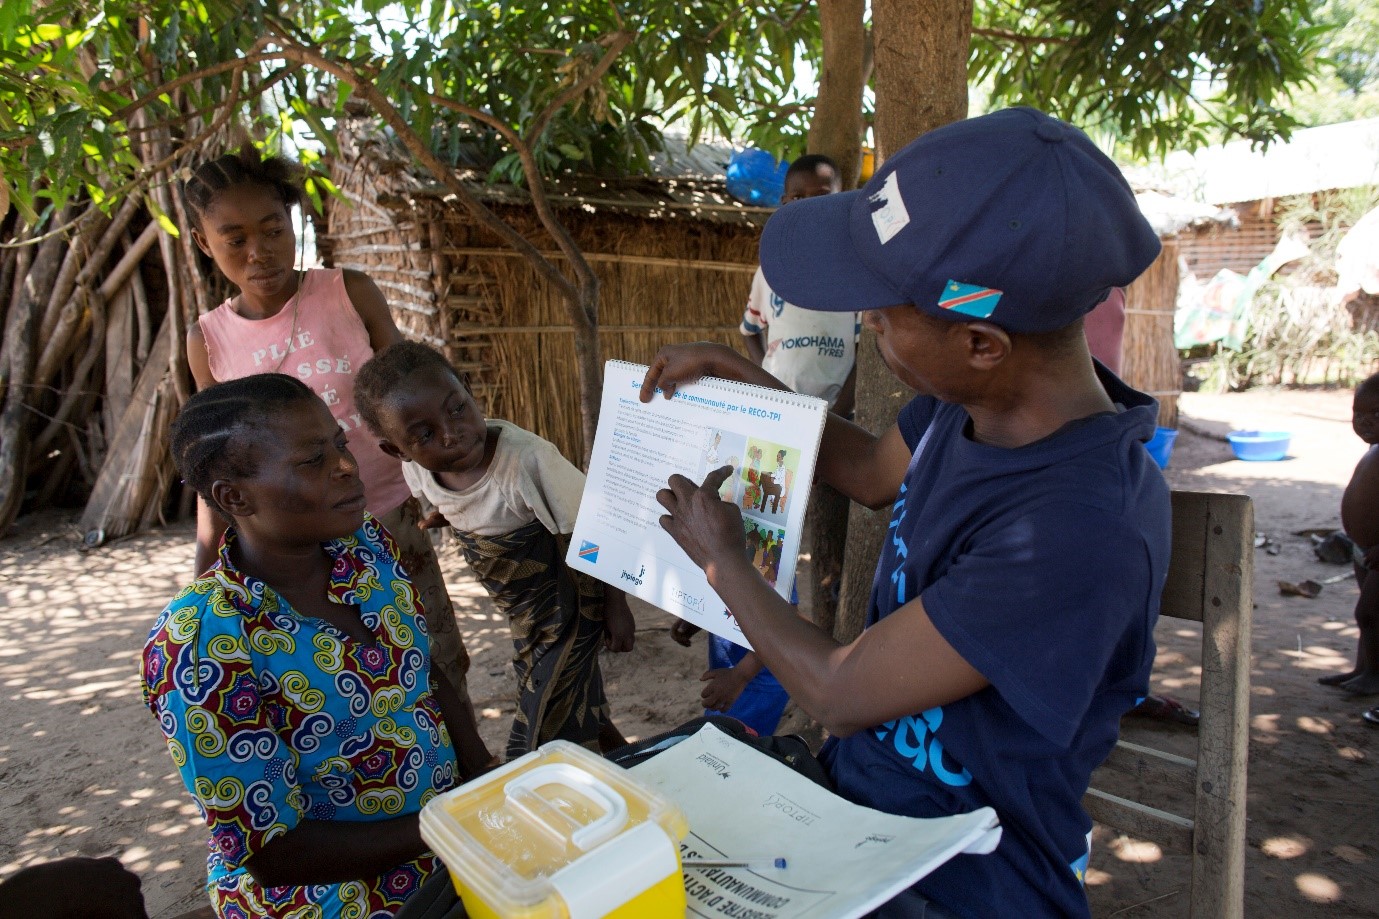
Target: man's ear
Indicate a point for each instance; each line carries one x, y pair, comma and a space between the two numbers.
390, 448
200, 239
231, 498
987, 345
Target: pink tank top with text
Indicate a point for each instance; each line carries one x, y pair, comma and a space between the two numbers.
323, 343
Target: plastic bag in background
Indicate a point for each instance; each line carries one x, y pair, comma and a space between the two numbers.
756, 178
1357, 257
1220, 309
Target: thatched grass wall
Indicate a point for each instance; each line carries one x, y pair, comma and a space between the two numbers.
1149, 360
669, 272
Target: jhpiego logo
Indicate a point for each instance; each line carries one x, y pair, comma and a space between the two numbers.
637, 578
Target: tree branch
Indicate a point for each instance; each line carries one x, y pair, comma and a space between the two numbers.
292, 50
255, 55
618, 41
1020, 38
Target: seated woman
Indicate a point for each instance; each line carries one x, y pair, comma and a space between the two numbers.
292, 680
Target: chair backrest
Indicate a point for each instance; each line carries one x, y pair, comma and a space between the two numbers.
1210, 580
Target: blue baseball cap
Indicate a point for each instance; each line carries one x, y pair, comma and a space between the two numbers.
1015, 218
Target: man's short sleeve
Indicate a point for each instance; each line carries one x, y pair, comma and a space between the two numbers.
754, 318
1043, 604
914, 419
551, 486
201, 685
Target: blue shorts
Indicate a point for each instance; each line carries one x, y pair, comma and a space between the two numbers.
763, 699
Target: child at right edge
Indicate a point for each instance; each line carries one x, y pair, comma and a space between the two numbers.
511, 499
1360, 517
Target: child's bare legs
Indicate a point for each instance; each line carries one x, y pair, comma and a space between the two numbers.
1336, 679
1364, 678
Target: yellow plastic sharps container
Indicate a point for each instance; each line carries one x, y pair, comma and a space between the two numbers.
559, 833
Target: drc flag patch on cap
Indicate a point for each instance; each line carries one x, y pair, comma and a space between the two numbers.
969, 299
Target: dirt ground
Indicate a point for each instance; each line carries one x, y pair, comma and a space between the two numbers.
83, 769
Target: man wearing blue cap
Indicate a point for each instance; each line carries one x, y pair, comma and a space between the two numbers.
1012, 615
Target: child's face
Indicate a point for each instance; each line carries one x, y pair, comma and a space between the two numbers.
248, 232
822, 181
306, 487
434, 421
1364, 418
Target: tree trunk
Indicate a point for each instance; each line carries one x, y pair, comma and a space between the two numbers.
588, 360
921, 49
836, 132
836, 128
24, 322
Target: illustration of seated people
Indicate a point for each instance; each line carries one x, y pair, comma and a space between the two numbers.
750, 478
770, 563
753, 541
766, 492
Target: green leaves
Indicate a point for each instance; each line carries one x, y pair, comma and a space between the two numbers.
1157, 75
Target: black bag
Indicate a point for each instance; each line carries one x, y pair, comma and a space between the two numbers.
789, 749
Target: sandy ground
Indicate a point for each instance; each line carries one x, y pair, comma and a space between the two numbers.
83, 769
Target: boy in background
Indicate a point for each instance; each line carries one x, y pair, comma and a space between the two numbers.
511, 499
813, 353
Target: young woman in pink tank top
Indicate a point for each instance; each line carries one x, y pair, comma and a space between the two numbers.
319, 326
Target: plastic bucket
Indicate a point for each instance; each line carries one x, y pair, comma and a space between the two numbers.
1160, 446
1259, 446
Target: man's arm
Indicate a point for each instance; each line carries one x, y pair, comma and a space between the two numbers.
756, 348
866, 468
328, 852
847, 396
899, 666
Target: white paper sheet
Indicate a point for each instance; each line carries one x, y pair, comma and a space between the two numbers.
771, 439
842, 860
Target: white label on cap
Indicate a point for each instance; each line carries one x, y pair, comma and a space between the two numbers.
888, 213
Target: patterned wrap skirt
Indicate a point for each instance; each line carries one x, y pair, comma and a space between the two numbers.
557, 621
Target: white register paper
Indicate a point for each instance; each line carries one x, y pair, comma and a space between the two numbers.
769, 437
842, 860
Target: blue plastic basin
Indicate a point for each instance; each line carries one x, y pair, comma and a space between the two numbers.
1160, 446
1259, 446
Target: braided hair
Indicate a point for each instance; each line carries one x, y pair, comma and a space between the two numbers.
247, 167
386, 371
213, 436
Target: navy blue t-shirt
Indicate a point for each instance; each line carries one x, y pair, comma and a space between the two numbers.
1043, 567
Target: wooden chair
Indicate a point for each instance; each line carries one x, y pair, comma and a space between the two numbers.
1210, 580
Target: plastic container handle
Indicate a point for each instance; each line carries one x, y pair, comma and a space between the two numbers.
521, 792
